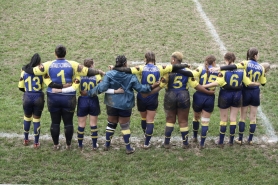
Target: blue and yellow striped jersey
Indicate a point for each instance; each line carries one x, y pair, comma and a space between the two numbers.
30, 82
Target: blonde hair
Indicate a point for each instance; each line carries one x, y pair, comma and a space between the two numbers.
178, 55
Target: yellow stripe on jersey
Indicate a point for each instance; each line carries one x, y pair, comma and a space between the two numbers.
245, 79
137, 70
242, 65
262, 78
192, 82
21, 81
164, 70
220, 79
198, 71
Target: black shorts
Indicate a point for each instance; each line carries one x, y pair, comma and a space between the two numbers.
33, 103
111, 111
174, 100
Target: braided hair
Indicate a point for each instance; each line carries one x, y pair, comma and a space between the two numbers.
120, 61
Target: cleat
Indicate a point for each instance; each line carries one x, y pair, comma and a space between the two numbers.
231, 144
240, 142
56, 147
68, 147
185, 146
201, 147
166, 146
95, 148
131, 151
194, 140
80, 148
106, 148
219, 145
249, 142
146, 147
26, 142
37, 145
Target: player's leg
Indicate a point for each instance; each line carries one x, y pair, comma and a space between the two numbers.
170, 122
94, 131
143, 121
55, 127
68, 126
124, 120
205, 126
38, 108
241, 124
81, 129
196, 125
233, 116
112, 122
252, 128
183, 124
223, 125
150, 126
28, 111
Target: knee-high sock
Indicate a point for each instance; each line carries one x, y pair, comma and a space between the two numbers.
26, 127
55, 132
37, 129
80, 135
143, 124
241, 128
232, 132
252, 130
110, 129
184, 135
149, 133
204, 132
222, 131
68, 133
94, 135
126, 135
168, 132
195, 126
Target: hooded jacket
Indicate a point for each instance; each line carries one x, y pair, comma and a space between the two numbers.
114, 80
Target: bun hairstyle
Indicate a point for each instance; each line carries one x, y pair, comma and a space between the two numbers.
230, 57
88, 62
150, 57
120, 61
177, 56
251, 53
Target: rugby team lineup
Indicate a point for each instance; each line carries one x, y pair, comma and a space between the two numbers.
239, 94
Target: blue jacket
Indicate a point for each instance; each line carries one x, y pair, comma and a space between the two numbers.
114, 80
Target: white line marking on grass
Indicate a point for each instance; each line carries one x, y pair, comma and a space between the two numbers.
269, 129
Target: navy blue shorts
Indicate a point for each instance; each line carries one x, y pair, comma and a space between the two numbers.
251, 97
178, 99
111, 111
202, 101
33, 103
148, 103
227, 98
88, 105
57, 102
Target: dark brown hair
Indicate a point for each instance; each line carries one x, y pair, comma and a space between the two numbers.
88, 62
209, 61
150, 57
251, 53
230, 57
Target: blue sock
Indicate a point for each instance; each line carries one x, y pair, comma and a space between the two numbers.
241, 128
203, 135
37, 129
168, 132
184, 135
94, 135
26, 127
196, 125
232, 132
110, 129
149, 133
126, 137
222, 134
143, 124
252, 131
80, 135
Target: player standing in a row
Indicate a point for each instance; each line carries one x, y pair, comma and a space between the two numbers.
33, 100
62, 105
250, 95
149, 74
230, 100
